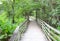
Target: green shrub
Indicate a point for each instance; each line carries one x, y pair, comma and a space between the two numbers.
7, 29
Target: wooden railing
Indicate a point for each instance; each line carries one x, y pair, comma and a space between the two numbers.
51, 33
18, 33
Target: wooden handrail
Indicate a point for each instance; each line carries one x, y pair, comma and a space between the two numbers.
49, 31
55, 30
17, 33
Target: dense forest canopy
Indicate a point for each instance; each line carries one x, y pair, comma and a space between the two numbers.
14, 12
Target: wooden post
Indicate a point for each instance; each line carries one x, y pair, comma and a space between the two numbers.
27, 16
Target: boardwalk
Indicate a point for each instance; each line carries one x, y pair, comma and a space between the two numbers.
34, 33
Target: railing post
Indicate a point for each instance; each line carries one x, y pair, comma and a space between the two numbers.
18, 36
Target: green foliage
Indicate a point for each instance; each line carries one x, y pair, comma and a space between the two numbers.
58, 27
12, 11
7, 28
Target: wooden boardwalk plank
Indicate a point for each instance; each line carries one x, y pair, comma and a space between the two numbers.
34, 33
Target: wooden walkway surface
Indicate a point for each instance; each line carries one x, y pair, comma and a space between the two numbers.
34, 33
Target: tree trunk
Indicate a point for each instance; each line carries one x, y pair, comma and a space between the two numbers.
13, 11
36, 15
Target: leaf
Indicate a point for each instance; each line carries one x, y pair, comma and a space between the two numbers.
2, 36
